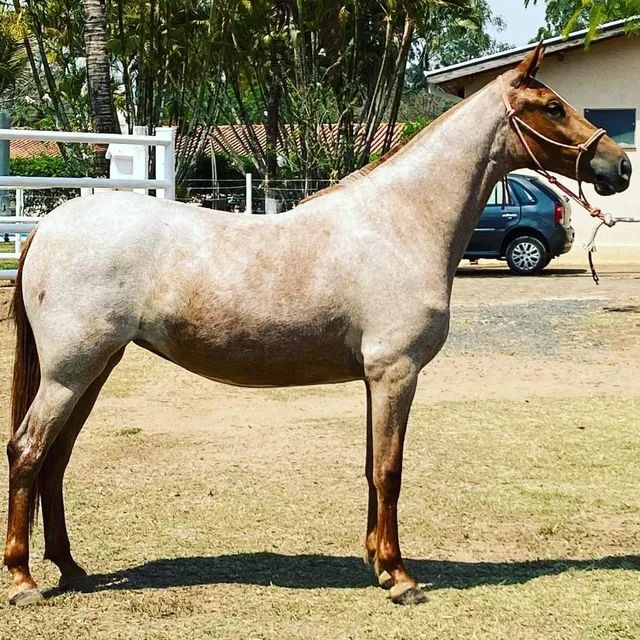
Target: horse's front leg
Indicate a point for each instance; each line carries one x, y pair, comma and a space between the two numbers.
391, 390
371, 536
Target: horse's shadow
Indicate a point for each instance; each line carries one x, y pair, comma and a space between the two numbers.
320, 571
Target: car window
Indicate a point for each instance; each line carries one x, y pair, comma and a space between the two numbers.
497, 199
548, 191
524, 195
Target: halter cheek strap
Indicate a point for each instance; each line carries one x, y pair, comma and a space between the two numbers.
518, 125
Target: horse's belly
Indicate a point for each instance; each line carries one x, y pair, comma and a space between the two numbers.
270, 359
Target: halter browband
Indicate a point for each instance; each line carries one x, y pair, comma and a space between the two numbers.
518, 124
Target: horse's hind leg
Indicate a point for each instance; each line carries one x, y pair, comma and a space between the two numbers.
51, 408
57, 547
47, 415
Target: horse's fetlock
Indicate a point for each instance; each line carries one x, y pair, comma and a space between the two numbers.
16, 555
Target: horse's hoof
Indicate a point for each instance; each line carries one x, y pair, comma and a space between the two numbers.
407, 594
75, 581
385, 580
26, 597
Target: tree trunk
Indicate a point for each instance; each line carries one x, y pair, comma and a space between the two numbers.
103, 111
272, 119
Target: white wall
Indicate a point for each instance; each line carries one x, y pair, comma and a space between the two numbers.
607, 76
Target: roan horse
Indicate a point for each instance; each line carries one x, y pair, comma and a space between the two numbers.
354, 284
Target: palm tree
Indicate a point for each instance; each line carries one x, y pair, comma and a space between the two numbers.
98, 71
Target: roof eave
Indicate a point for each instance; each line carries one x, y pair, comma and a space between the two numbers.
512, 56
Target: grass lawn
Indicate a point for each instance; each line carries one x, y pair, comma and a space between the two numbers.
7, 247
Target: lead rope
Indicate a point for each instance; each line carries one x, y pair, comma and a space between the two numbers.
605, 218
591, 245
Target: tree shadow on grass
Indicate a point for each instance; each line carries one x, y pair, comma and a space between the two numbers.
320, 571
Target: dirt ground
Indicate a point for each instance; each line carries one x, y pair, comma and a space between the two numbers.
205, 511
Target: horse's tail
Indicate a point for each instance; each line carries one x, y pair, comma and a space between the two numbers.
26, 366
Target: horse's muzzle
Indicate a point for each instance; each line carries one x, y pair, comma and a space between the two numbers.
613, 179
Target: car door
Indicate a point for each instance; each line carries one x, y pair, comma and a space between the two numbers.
499, 215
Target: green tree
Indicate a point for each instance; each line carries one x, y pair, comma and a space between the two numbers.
453, 34
299, 67
320, 75
565, 16
12, 56
168, 69
162, 67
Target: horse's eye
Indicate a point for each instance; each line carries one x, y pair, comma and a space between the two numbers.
555, 109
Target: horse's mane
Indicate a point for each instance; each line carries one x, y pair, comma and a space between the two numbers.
363, 171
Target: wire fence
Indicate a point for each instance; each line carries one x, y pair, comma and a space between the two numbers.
230, 195
34, 202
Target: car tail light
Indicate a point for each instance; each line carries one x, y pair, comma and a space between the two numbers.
558, 213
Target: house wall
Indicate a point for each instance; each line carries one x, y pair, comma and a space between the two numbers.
607, 77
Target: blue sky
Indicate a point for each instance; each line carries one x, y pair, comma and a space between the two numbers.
522, 24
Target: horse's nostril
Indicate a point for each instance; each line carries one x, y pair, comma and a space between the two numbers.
625, 168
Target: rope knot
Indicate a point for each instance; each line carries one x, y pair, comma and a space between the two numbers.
511, 112
552, 179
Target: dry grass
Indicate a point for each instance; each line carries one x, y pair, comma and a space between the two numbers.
620, 323
522, 518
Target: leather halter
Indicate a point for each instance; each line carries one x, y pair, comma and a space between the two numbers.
518, 125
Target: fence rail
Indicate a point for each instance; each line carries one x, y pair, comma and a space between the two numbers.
135, 178
29, 182
88, 138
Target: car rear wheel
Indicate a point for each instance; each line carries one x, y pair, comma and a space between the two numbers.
526, 256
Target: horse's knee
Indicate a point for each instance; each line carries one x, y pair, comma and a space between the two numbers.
388, 480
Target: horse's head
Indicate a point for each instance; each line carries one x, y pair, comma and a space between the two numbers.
544, 118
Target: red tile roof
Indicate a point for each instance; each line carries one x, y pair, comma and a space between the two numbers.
234, 138
226, 138
32, 148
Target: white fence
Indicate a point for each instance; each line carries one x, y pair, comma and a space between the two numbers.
164, 183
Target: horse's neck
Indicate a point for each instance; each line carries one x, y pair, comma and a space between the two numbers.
437, 185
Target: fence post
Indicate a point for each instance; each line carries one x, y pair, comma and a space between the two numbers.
166, 162
5, 199
19, 202
248, 194
129, 160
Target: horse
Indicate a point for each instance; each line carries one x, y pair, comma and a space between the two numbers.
354, 283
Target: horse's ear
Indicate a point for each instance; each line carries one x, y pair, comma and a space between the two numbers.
528, 68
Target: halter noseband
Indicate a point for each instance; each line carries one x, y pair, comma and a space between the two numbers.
518, 124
